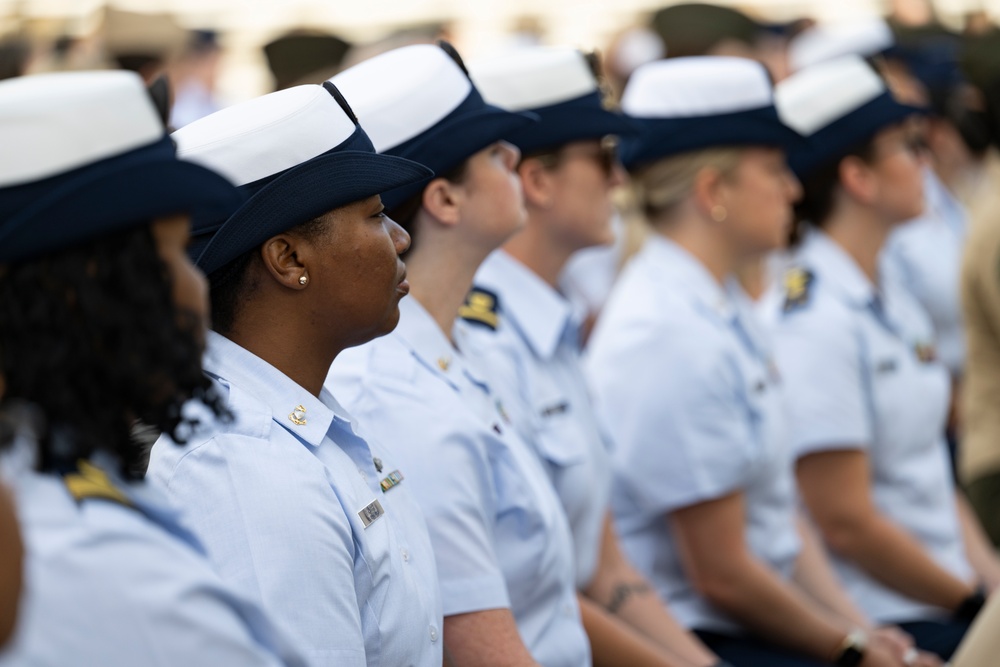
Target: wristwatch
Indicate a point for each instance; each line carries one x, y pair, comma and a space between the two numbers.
852, 650
971, 605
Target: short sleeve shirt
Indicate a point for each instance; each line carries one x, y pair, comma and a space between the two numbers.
859, 367
299, 512
108, 583
925, 257
498, 530
532, 356
683, 378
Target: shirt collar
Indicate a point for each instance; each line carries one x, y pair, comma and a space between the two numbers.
837, 268
538, 311
677, 266
940, 202
418, 330
303, 415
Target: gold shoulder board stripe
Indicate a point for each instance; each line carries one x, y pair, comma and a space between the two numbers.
798, 282
480, 307
91, 482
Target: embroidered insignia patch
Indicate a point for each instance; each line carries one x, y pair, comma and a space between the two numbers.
480, 307
798, 282
394, 478
91, 482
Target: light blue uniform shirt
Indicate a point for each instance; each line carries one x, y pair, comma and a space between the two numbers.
499, 533
532, 358
113, 585
858, 374
682, 377
925, 256
282, 507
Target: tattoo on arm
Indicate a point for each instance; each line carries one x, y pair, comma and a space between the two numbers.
622, 592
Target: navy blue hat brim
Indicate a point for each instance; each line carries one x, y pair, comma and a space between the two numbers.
849, 131
664, 137
301, 194
471, 127
573, 120
115, 194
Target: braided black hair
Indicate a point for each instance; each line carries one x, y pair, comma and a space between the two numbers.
92, 336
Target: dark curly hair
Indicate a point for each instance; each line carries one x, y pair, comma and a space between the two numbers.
235, 283
92, 336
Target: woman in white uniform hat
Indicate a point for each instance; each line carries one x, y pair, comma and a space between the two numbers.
288, 496
102, 321
867, 399
501, 539
569, 169
704, 494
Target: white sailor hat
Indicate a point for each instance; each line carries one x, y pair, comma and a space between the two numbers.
687, 104
836, 105
418, 102
559, 86
823, 42
85, 154
295, 154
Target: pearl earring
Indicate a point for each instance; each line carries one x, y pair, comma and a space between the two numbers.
303, 280
719, 213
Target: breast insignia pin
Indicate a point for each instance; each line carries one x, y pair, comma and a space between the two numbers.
298, 416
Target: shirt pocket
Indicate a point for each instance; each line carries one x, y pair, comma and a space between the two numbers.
556, 436
374, 544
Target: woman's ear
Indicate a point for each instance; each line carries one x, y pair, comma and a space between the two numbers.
857, 179
285, 257
707, 190
442, 199
536, 183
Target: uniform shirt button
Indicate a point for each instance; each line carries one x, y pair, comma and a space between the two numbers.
434, 634
362, 473
406, 555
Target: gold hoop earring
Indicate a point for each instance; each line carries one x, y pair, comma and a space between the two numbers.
303, 280
719, 213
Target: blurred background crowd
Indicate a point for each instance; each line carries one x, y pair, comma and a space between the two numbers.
219, 52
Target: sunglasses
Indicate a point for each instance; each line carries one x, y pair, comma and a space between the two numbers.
605, 155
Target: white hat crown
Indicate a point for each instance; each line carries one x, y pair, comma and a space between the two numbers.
811, 99
422, 79
697, 86
53, 123
266, 135
825, 42
534, 77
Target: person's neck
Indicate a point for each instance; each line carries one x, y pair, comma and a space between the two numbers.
861, 233
304, 358
538, 252
703, 244
440, 278
752, 275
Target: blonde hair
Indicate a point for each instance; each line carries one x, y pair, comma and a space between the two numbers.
665, 184
660, 187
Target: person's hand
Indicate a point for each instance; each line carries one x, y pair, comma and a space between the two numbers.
990, 578
894, 640
917, 658
878, 655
